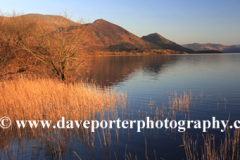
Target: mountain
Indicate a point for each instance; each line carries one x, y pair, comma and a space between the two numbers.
102, 34
232, 49
53, 19
108, 35
210, 46
159, 42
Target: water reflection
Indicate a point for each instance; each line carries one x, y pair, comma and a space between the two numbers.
190, 70
110, 70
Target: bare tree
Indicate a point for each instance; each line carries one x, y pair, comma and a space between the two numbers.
57, 48
52, 44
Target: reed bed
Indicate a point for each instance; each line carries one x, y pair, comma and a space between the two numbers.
181, 103
24, 98
227, 150
35, 99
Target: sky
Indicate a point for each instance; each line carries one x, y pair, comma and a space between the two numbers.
181, 21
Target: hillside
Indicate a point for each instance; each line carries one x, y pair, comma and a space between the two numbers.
32, 20
210, 46
102, 34
54, 19
163, 43
108, 35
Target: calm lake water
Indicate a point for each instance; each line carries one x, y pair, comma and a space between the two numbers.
150, 82
212, 79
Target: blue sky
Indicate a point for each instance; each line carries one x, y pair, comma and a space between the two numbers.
182, 21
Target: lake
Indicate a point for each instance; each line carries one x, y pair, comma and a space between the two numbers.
211, 79
207, 85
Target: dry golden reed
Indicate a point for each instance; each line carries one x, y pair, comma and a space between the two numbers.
37, 99
24, 98
227, 150
180, 103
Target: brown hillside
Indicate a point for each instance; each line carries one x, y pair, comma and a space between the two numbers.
164, 43
106, 34
52, 21
103, 34
56, 20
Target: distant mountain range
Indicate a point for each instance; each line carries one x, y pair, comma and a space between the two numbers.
210, 46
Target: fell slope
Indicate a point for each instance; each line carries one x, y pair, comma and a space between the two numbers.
164, 43
109, 35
